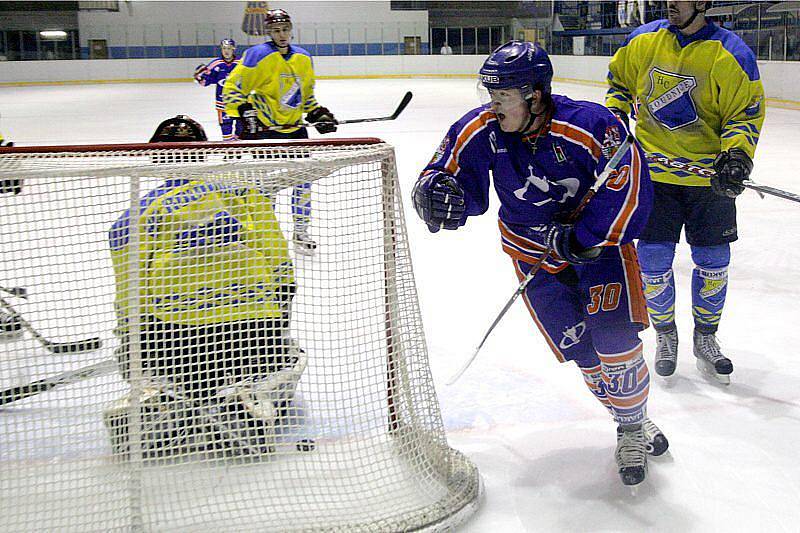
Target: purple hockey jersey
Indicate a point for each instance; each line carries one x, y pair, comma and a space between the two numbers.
216, 74
544, 178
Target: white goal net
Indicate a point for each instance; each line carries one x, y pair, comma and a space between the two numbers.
216, 337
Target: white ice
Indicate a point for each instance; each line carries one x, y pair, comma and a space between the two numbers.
543, 445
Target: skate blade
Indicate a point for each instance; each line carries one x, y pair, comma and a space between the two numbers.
306, 252
708, 369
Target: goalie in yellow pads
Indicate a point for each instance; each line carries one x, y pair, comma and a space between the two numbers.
216, 285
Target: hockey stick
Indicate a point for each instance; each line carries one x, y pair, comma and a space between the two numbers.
601, 179
86, 345
14, 394
704, 172
302, 124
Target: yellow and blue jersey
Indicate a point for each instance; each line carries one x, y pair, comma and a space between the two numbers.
694, 96
208, 254
280, 87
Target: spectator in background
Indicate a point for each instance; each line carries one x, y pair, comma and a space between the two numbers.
446, 50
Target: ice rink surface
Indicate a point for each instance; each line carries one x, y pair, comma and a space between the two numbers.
543, 444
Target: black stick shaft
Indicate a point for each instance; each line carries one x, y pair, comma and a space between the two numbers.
55, 347
33, 388
400, 108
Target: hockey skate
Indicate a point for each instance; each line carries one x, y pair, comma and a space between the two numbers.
710, 360
666, 351
303, 243
655, 441
631, 455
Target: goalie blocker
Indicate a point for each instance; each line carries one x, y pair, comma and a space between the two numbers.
217, 369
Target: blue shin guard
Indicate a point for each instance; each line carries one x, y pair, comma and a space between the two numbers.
658, 281
709, 285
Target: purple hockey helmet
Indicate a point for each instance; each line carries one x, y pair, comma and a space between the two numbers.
227, 42
518, 64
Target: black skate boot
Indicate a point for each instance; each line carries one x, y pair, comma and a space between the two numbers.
710, 359
631, 455
655, 441
666, 351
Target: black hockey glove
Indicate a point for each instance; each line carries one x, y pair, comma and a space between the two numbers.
250, 123
622, 116
561, 239
732, 168
439, 201
199, 72
322, 119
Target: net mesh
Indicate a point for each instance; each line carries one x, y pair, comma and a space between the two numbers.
246, 380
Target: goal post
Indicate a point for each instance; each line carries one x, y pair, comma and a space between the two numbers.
239, 383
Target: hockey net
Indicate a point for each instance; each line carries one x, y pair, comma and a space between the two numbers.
240, 384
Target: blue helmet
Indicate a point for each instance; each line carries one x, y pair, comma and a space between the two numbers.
227, 42
518, 64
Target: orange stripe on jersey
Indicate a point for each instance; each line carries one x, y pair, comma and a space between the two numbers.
550, 342
518, 239
536, 250
466, 133
633, 278
620, 224
577, 136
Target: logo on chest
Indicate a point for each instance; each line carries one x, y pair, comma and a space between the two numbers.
555, 190
291, 95
670, 98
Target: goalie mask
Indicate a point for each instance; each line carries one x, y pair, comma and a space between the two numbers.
180, 128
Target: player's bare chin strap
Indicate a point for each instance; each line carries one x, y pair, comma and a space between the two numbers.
527, 127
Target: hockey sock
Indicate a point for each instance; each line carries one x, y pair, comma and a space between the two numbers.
709, 285
301, 207
658, 281
624, 371
593, 377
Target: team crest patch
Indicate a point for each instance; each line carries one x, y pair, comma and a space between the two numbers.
611, 141
670, 99
291, 95
441, 150
559, 153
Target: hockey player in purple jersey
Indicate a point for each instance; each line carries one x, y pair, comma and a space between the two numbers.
544, 152
215, 73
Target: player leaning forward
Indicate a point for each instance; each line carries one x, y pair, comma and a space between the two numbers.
273, 86
215, 284
701, 103
544, 152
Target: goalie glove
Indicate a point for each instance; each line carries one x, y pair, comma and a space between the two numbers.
322, 119
562, 240
439, 201
732, 168
249, 118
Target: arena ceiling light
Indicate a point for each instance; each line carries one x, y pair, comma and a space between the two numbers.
53, 35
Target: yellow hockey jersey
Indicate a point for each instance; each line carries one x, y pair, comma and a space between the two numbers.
693, 96
208, 254
280, 87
